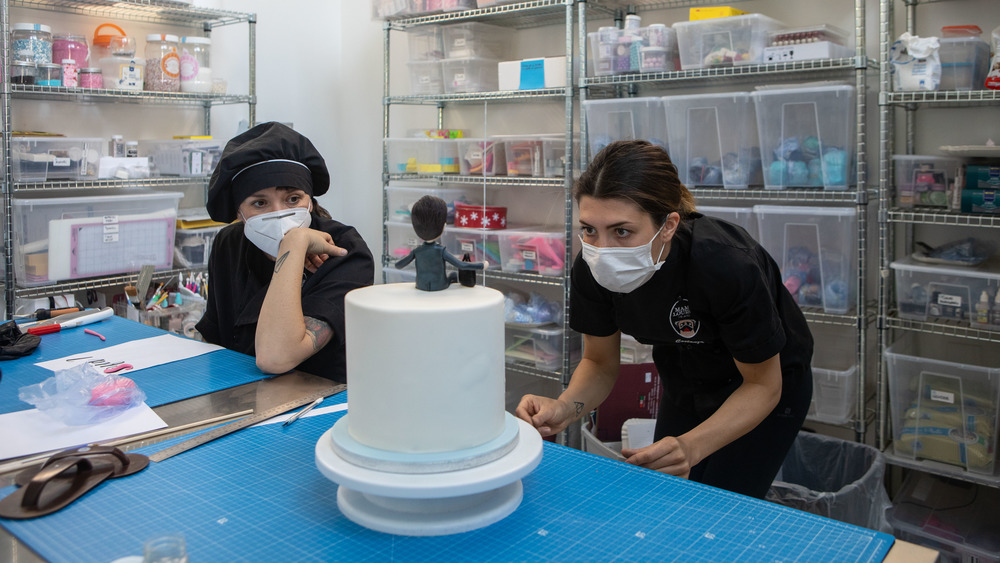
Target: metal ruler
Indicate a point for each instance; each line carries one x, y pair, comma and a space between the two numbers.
243, 423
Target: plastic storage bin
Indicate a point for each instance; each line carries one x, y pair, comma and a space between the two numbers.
625, 119
963, 294
924, 180
425, 43
401, 199
62, 238
835, 376
422, 156
534, 155
807, 136
481, 157
954, 517
182, 157
192, 247
426, 78
480, 245
618, 51
41, 159
964, 63
400, 240
943, 396
533, 251
476, 40
735, 40
816, 249
713, 139
469, 75
833, 478
541, 346
742, 216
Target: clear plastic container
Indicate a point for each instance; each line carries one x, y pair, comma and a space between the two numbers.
804, 35
108, 39
61, 238
623, 119
943, 397
835, 376
807, 136
31, 42
713, 139
532, 251
956, 518
422, 156
816, 249
949, 31
121, 69
524, 154
482, 157
476, 40
401, 200
22, 72
182, 157
965, 295
425, 43
71, 46
70, 73
40, 159
648, 49
163, 63
742, 216
964, 63
194, 246
735, 40
196, 68
479, 244
48, 74
924, 180
425, 78
469, 75
539, 346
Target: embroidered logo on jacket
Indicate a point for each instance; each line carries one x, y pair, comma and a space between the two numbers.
683, 323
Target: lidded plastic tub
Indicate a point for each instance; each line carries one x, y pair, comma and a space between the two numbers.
196, 68
163, 64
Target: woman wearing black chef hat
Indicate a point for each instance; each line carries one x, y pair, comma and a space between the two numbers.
278, 276
732, 347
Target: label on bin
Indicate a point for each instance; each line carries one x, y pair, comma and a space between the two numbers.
532, 74
110, 228
942, 396
950, 300
109, 219
61, 161
109, 238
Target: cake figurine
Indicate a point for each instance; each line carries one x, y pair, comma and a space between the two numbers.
428, 215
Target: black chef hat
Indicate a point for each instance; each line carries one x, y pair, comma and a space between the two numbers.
268, 155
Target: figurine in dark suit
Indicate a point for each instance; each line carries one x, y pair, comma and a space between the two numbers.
428, 215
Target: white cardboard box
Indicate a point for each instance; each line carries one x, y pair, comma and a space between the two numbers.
516, 75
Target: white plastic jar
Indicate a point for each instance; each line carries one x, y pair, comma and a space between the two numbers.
196, 70
163, 63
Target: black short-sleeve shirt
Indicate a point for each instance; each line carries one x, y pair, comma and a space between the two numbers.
240, 273
718, 297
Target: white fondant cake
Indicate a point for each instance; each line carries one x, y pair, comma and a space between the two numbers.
425, 368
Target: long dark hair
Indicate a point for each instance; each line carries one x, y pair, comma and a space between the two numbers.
640, 172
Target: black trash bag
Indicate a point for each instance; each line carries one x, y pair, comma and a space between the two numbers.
14, 343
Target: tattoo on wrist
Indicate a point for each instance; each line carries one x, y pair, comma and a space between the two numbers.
279, 262
579, 407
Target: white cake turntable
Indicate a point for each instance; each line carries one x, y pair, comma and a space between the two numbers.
429, 494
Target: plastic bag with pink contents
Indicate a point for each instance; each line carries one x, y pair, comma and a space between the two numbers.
82, 395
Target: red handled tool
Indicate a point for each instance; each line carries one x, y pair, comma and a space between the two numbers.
98, 315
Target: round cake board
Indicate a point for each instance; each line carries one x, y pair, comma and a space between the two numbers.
517, 463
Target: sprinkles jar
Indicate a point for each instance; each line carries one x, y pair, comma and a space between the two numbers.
31, 42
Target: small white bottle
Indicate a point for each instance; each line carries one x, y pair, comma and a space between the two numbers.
983, 309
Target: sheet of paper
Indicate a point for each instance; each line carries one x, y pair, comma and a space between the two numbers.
143, 353
32, 431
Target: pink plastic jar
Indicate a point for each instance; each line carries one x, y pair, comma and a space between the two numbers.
70, 46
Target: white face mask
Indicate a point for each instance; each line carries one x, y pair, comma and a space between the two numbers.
622, 269
267, 229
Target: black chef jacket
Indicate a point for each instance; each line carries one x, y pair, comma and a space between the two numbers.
239, 275
718, 297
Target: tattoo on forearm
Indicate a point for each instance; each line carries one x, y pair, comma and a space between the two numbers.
319, 332
579, 407
279, 262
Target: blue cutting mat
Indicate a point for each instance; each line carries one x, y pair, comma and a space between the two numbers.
162, 384
256, 495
